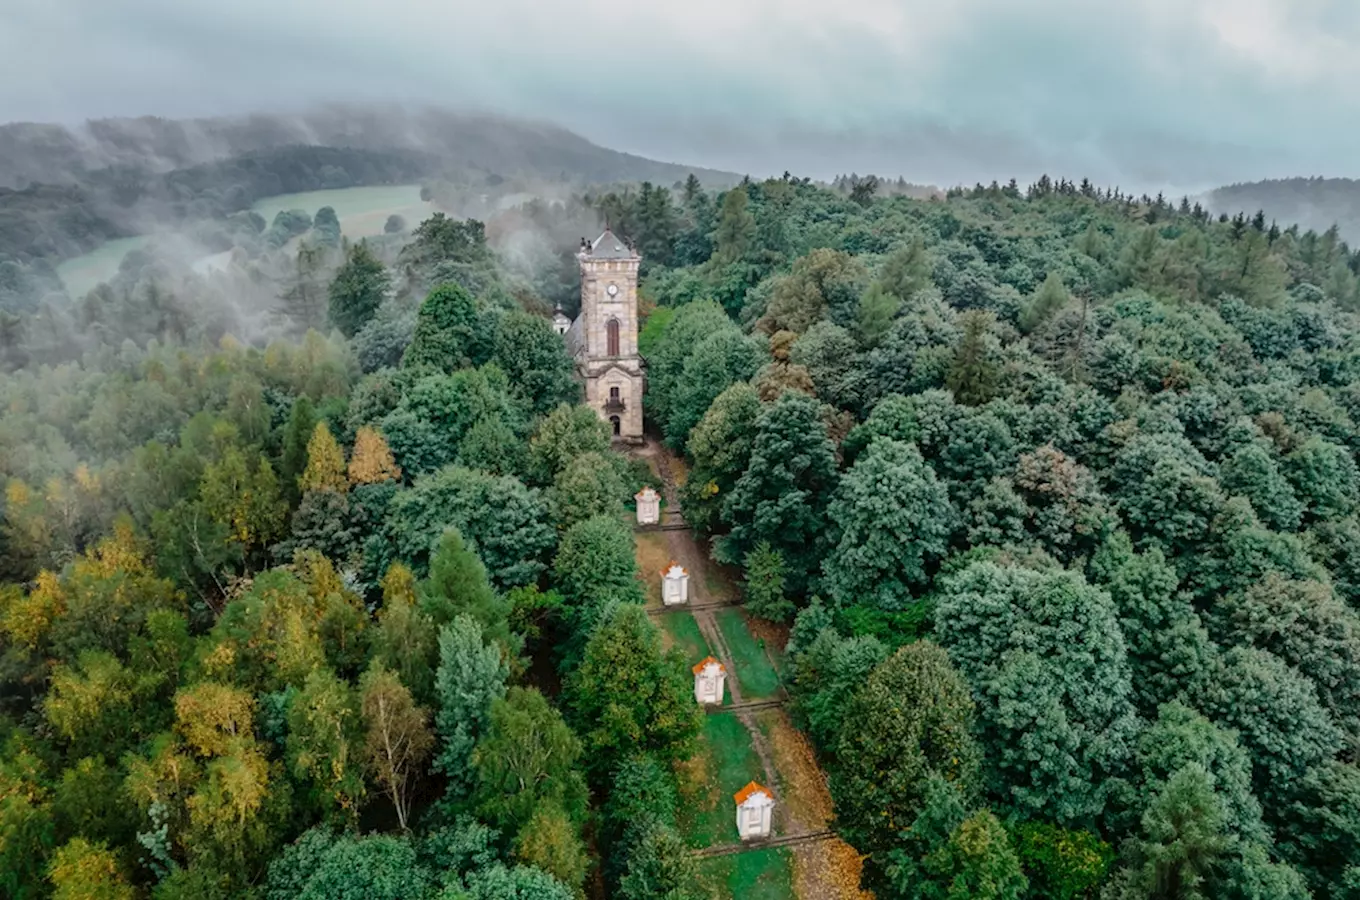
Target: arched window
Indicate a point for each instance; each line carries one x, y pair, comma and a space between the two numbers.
612, 337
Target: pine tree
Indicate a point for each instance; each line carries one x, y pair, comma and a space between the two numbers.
296, 434
764, 585
305, 299
973, 375
877, 309
1047, 299
906, 270
736, 230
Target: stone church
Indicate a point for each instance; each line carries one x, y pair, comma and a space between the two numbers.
603, 339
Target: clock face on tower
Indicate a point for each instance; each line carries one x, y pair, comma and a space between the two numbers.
612, 290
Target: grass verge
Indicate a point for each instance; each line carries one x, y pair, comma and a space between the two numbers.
755, 674
723, 766
754, 875
683, 633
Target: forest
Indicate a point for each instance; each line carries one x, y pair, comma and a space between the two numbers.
1316, 203
1050, 492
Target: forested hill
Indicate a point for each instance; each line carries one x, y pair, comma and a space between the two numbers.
65, 192
1044, 501
1312, 203
53, 154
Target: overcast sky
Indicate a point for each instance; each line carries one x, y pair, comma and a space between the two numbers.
1177, 93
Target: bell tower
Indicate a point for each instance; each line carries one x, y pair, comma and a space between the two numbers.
603, 339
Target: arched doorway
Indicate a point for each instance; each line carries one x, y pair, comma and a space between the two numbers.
618, 425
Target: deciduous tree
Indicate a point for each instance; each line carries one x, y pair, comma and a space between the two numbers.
526, 761
372, 462
892, 521
629, 696
398, 738
911, 721
783, 494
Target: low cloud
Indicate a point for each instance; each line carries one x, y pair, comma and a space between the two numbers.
1177, 94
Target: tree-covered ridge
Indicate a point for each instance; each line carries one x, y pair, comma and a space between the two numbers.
297, 619
1056, 488
1097, 448
1312, 203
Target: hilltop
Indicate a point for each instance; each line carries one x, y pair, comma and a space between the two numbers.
54, 154
1311, 203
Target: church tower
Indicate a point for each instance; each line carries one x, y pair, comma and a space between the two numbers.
603, 339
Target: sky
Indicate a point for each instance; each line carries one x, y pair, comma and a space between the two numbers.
1149, 94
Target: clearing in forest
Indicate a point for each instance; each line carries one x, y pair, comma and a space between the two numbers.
652, 556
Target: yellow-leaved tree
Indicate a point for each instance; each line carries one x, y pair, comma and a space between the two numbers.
325, 463
372, 462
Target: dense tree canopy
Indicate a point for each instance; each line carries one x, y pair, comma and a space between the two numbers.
1056, 487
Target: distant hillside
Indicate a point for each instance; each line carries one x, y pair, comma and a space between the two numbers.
53, 154
65, 191
1311, 203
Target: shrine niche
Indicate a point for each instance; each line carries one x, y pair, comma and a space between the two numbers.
710, 680
648, 506
674, 585
755, 811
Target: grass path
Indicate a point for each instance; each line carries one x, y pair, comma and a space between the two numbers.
757, 875
738, 747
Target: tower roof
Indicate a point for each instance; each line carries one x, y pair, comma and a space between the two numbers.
608, 246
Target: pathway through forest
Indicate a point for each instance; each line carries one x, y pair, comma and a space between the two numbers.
824, 866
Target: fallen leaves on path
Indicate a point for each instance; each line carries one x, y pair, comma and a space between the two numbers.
828, 870
805, 788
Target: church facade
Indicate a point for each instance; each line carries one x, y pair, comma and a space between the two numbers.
603, 339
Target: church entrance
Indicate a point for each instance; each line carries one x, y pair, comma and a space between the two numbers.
618, 425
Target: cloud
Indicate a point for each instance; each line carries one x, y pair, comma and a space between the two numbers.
1176, 93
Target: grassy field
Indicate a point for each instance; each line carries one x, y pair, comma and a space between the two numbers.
363, 211
755, 875
723, 766
84, 273
756, 676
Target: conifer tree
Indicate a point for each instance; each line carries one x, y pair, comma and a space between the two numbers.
1050, 297
325, 463
372, 462
906, 270
973, 376
736, 230
296, 434
357, 290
